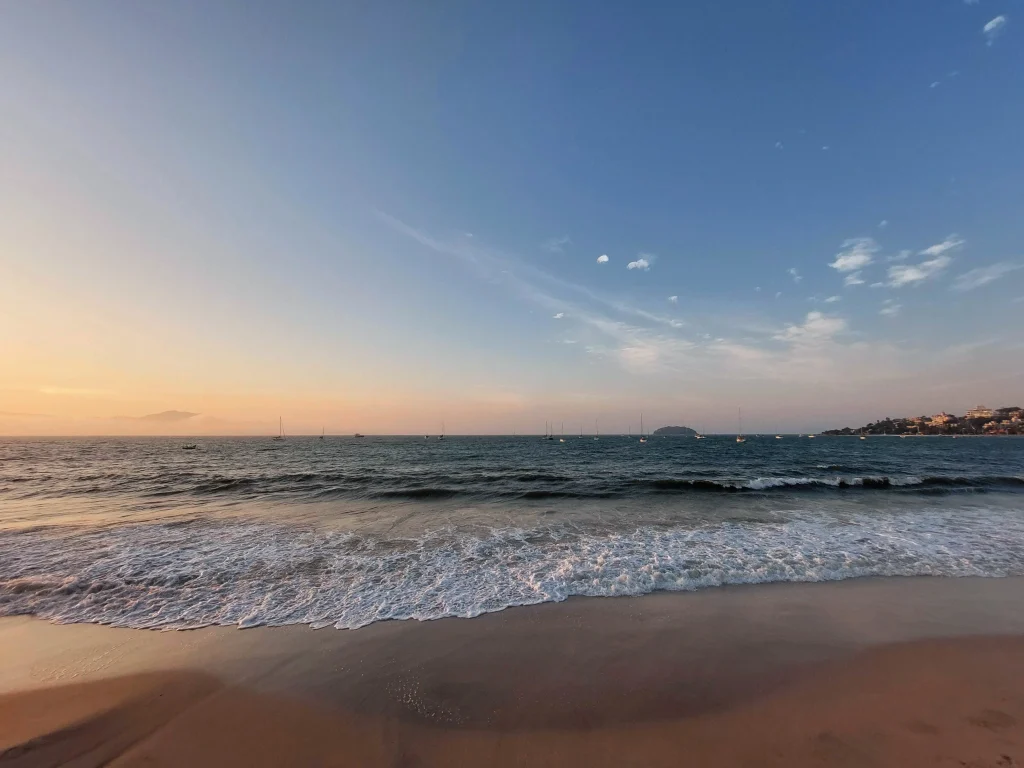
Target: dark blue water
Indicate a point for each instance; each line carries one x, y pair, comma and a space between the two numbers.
346, 531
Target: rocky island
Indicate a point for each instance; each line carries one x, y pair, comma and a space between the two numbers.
674, 432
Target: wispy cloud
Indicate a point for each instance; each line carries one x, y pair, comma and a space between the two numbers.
914, 274
778, 145
994, 28
816, 328
75, 391
935, 84
970, 2
795, 274
883, 224
757, 289
853, 278
556, 244
558, 315
778, 294
602, 259
890, 308
856, 253
645, 343
901, 256
674, 299
833, 299
949, 244
642, 263
976, 278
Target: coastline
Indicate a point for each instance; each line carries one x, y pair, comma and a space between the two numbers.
861, 672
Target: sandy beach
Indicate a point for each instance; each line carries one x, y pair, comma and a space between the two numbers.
870, 672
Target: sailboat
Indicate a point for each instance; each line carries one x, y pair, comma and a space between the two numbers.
581, 430
323, 431
562, 438
441, 436
280, 429
597, 432
642, 438
739, 419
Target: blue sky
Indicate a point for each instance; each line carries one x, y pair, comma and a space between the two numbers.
378, 214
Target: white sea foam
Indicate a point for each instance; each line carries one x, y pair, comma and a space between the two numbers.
247, 574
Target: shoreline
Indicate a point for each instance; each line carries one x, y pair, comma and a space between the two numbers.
879, 671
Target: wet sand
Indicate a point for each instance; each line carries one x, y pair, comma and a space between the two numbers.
869, 672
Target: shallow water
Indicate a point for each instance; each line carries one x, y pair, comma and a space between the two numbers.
344, 531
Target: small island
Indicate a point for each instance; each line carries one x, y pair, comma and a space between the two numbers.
674, 432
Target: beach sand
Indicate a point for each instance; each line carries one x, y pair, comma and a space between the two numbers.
894, 672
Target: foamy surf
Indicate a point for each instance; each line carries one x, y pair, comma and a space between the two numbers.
173, 576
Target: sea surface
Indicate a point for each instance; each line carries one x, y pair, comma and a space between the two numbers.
344, 532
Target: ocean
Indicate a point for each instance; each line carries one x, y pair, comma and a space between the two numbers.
343, 532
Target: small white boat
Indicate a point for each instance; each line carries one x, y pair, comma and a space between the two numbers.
739, 423
642, 438
280, 429
189, 447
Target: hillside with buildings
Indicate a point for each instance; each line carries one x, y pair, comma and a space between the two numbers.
977, 421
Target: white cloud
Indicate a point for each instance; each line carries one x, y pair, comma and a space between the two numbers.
853, 279
950, 243
778, 294
825, 148
833, 299
757, 289
640, 263
935, 84
878, 285
857, 253
797, 277
883, 224
976, 278
911, 274
556, 244
890, 308
778, 145
674, 299
970, 2
602, 259
994, 28
559, 315
901, 256
816, 328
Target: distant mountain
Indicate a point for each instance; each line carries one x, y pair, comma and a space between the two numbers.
674, 432
166, 416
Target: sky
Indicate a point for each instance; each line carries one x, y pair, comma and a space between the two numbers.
382, 216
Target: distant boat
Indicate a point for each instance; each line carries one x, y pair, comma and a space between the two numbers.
642, 438
323, 431
597, 432
562, 438
441, 436
189, 447
280, 428
778, 437
863, 437
358, 435
739, 420
811, 437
